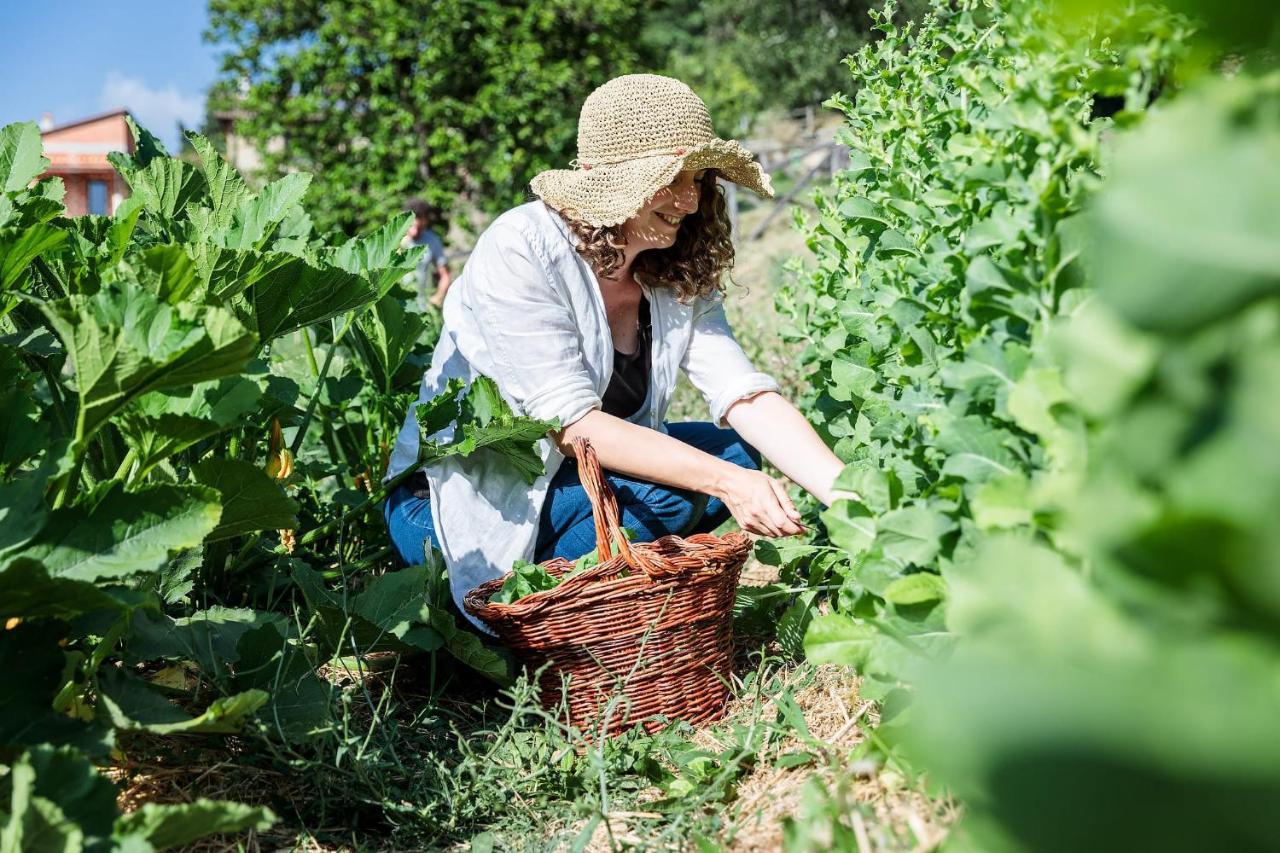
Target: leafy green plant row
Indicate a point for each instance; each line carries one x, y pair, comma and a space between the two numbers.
944, 255
1039, 338
199, 395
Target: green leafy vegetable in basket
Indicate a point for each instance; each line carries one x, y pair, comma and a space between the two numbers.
527, 578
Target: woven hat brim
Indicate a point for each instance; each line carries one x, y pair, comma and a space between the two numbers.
611, 194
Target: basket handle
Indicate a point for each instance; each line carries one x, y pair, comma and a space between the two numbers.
604, 511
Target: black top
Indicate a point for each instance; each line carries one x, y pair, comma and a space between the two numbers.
629, 385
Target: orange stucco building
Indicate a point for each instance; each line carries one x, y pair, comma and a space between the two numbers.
78, 154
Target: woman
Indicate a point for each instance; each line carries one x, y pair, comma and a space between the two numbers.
582, 306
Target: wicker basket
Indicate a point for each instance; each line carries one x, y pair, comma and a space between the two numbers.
651, 626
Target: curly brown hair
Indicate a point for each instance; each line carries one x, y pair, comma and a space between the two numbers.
693, 266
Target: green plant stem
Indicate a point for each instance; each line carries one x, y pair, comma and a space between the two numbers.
55, 392
311, 353
243, 552
320, 377
125, 464
100, 652
63, 486
109, 455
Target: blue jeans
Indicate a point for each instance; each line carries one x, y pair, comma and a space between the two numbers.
566, 529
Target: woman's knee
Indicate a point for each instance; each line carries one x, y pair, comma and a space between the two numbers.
409, 526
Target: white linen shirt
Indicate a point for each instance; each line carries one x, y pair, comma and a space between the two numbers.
528, 313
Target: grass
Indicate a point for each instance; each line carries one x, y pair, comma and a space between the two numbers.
478, 769
421, 758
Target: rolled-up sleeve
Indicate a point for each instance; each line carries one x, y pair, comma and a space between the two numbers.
716, 364
529, 329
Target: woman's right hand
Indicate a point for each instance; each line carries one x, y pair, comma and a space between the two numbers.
759, 503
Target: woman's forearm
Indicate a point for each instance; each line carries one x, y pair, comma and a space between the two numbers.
770, 424
647, 454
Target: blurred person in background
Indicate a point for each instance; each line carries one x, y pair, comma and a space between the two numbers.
432, 275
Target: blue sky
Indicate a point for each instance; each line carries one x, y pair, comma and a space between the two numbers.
75, 58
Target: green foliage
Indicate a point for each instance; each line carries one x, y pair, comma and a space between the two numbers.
386, 100
151, 513
57, 802
1164, 658
944, 253
744, 58
1051, 386
525, 578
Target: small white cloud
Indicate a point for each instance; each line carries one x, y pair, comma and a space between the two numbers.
158, 110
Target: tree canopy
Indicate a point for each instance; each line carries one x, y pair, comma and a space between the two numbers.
387, 99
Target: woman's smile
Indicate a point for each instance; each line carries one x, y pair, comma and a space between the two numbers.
670, 219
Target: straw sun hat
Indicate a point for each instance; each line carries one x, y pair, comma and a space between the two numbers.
635, 134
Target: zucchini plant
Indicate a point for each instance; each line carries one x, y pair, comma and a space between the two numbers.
198, 395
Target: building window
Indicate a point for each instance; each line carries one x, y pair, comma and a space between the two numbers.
97, 191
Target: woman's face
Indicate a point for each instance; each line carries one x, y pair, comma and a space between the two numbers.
656, 224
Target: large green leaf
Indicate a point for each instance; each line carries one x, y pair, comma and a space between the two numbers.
59, 803
251, 500
299, 700
976, 450
123, 342
28, 592
467, 647
126, 533
385, 616
22, 504
165, 186
441, 410
210, 637
123, 223
836, 638
19, 247
912, 534
21, 160
850, 525
385, 335
296, 294
256, 217
130, 703
1003, 502
34, 823
378, 256
1134, 747
156, 439
223, 401
394, 602
228, 272
1186, 231
227, 190
162, 423
486, 421
166, 826
22, 434
169, 272
918, 588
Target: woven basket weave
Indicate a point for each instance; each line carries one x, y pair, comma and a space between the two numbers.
650, 626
